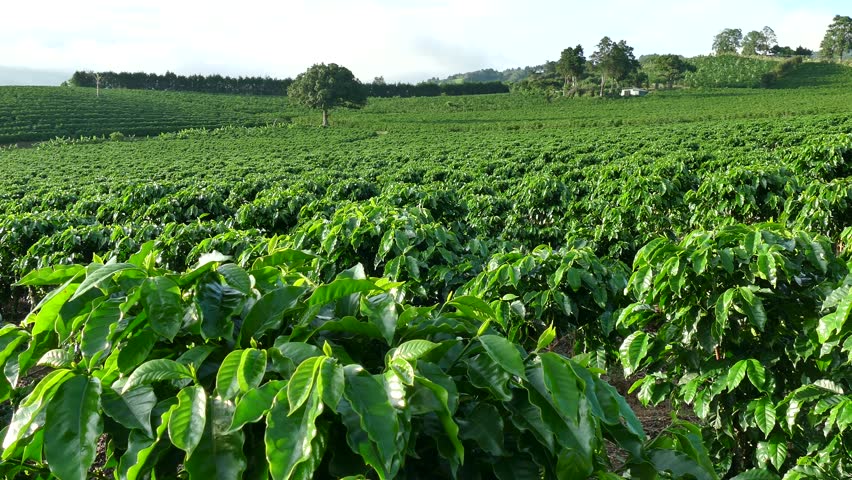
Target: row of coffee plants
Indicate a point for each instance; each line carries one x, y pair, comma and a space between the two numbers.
262, 370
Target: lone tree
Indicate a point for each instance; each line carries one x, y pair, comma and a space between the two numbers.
728, 41
571, 66
324, 87
838, 38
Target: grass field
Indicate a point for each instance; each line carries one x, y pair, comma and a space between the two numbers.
682, 235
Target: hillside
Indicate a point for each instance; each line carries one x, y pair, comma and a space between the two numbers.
43, 113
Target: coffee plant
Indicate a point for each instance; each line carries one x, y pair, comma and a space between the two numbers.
262, 372
747, 326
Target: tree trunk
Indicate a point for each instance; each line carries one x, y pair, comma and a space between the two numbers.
324, 117
603, 82
565, 88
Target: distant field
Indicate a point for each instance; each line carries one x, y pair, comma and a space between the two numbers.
43, 113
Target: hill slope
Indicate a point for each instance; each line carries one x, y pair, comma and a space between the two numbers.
43, 113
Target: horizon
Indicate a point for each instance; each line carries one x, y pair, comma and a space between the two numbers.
408, 42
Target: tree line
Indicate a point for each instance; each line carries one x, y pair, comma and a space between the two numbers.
266, 85
180, 83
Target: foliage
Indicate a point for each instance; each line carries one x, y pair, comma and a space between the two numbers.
668, 69
837, 39
747, 326
729, 71
180, 83
226, 370
759, 42
728, 41
614, 60
571, 65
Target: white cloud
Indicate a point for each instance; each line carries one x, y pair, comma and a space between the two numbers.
401, 39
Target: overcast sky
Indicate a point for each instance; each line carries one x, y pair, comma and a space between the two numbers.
403, 40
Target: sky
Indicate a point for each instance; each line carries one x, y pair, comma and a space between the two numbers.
401, 40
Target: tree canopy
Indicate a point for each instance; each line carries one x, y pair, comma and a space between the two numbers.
666, 69
728, 41
571, 65
614, 60
759, 42
324, 87
838, 38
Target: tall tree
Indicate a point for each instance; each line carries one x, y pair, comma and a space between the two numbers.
759, 43
614, 60
571, 65
324, 87
838, 38
728, 41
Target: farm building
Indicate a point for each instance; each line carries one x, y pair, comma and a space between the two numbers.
633, 92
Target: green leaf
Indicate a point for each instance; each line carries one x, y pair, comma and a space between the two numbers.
753, 308
562, 386
764, 414
484, 425
571, 463
135, 351
368, 400
828, 326
30, 407
485, 373
131, 409
289, 433
773, 451
55, 275
256, 403
94, 277
155, 371
736, 374
268, 312
413, 349
56, 358
186, 425
473, 308
331, 379
219, 453
72, 427
252, 368
756, 474
380, 310
679, 464
504, 353
216, 303
162, 301
96, 331
339, 288
445, 415
227, 383
757, 374
723, 307
546, 338
236, 277
633, 350
134, 463
302, 382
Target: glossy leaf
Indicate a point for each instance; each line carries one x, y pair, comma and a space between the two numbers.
155, 371
188, 419
72, 427
162, 301
504, 353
